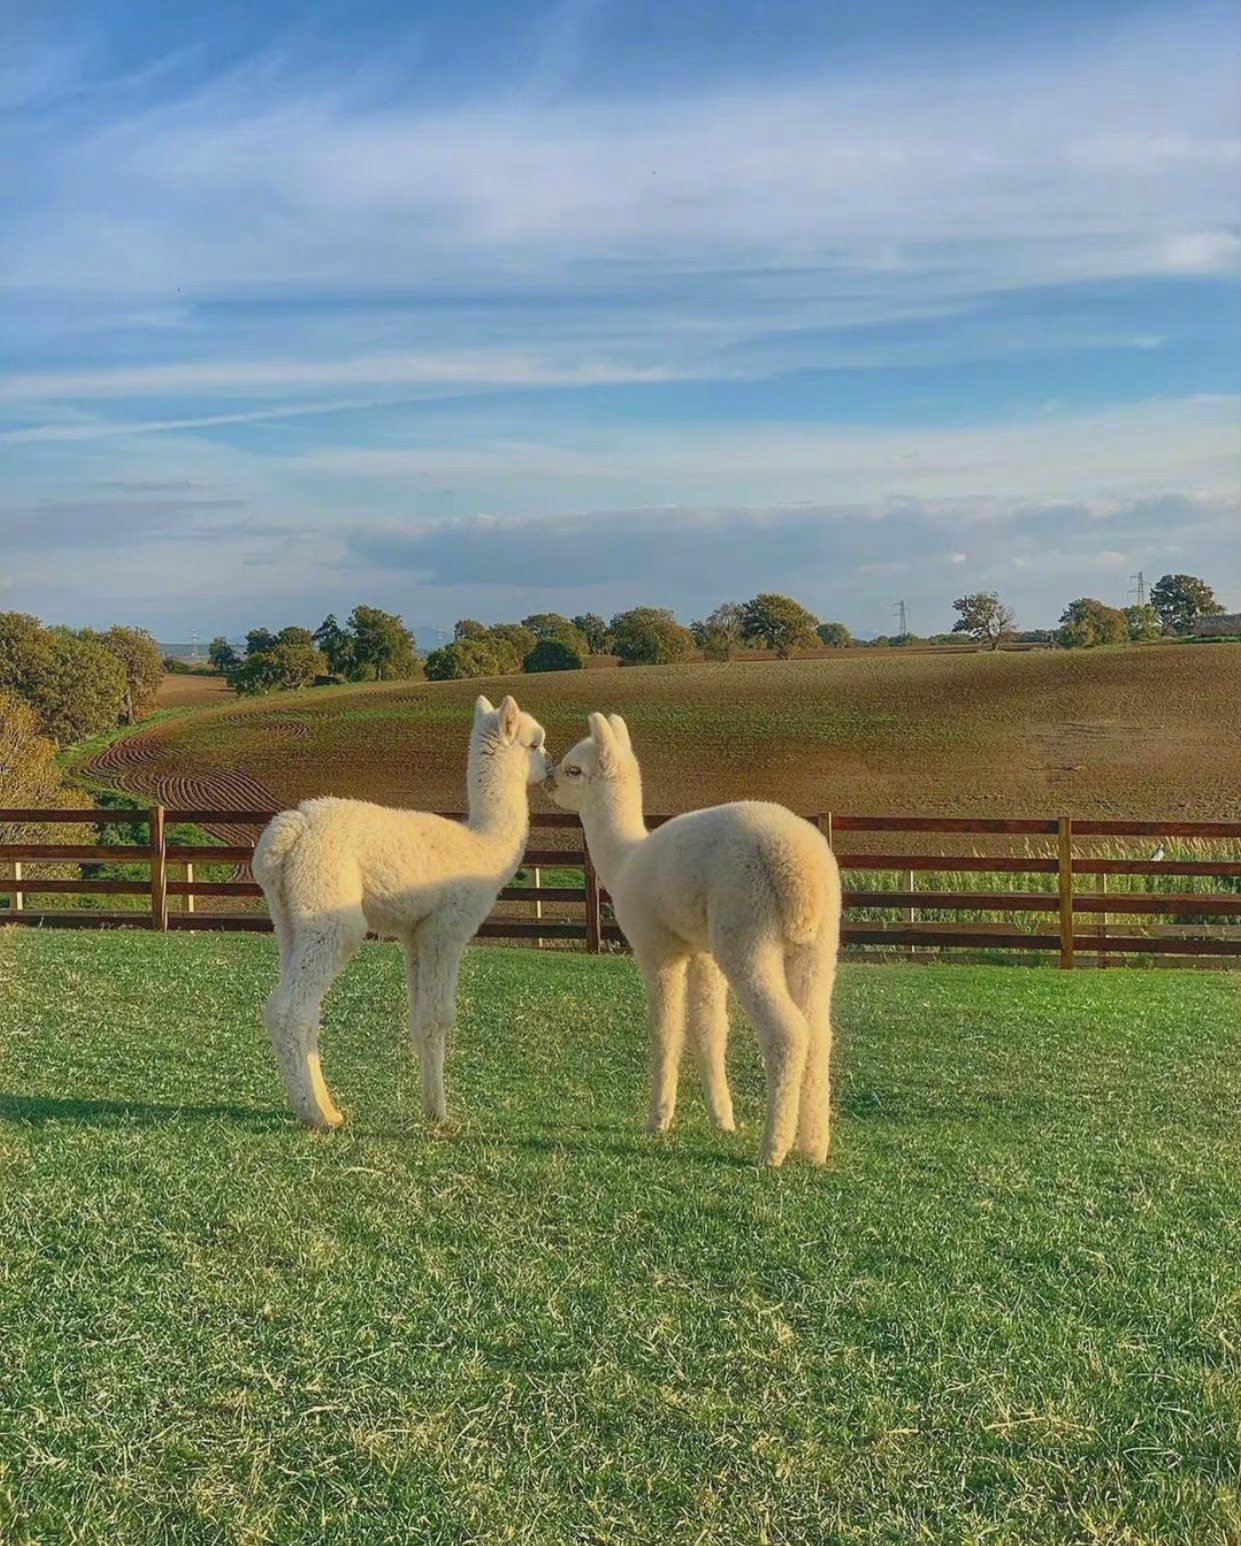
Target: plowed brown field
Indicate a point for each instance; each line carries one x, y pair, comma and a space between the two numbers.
1141, 732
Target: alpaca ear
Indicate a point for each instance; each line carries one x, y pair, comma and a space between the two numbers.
482, 705
510, 718
621, 731
605, 741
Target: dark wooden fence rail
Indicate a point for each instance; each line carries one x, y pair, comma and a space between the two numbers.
1080, 921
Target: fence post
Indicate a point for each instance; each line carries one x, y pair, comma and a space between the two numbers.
159, 870
1065, 874
537, 873
1102, 958
594, 915
189, 881
18, 899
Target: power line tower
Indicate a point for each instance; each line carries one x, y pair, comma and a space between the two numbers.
194, 645
900, 612
1137, 587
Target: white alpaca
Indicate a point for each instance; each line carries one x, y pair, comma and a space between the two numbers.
747, 892
332, 869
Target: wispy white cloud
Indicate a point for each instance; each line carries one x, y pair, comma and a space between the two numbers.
1129, 450
486, 368
1028, 169
219, 536
192, 277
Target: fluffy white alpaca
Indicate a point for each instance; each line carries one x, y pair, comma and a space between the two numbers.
747, 892
332, 869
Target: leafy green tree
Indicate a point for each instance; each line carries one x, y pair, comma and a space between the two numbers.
80, 690
595, 630
444, 664
462, 658
779, 623
547, 625
552, 655
382, 645
75, 686
984, 618
287, 665
336, 644
1180, 598
258, 640
835, 635
300, 638
469, 628
649, 636
1086, 622
552, 625
143, 664
257, 673
21, 640
719, 635
511, 644
1143, 623
221, 654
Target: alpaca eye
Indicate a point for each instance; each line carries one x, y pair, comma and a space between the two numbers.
573, 772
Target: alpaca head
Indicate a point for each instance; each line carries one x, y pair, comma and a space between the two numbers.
509, 734
603, 759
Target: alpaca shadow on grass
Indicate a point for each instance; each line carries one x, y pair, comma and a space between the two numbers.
35, 1110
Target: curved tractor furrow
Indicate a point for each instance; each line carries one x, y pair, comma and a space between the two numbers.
138, 765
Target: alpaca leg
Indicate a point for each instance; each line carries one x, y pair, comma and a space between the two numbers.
758, 980
411, 980
317, 953
434, 1009
811, 974
665, 992
282, 926
708, 1030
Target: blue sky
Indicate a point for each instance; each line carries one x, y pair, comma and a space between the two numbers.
486, 309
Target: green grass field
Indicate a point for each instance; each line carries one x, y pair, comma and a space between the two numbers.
1006, 1312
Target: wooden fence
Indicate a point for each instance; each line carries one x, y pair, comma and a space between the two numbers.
1081, 914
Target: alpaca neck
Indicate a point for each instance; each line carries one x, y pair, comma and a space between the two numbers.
499, 804
613, 824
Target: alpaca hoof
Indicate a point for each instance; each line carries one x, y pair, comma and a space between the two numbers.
726, 1125
322, 1121
659, 1124
771, 1159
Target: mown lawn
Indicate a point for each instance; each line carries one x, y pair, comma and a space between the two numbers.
1007, 1311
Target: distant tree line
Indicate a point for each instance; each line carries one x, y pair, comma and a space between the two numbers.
1176, 602
376, 646
372, 646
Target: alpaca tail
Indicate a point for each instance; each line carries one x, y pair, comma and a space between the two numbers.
801, 878
279, 838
